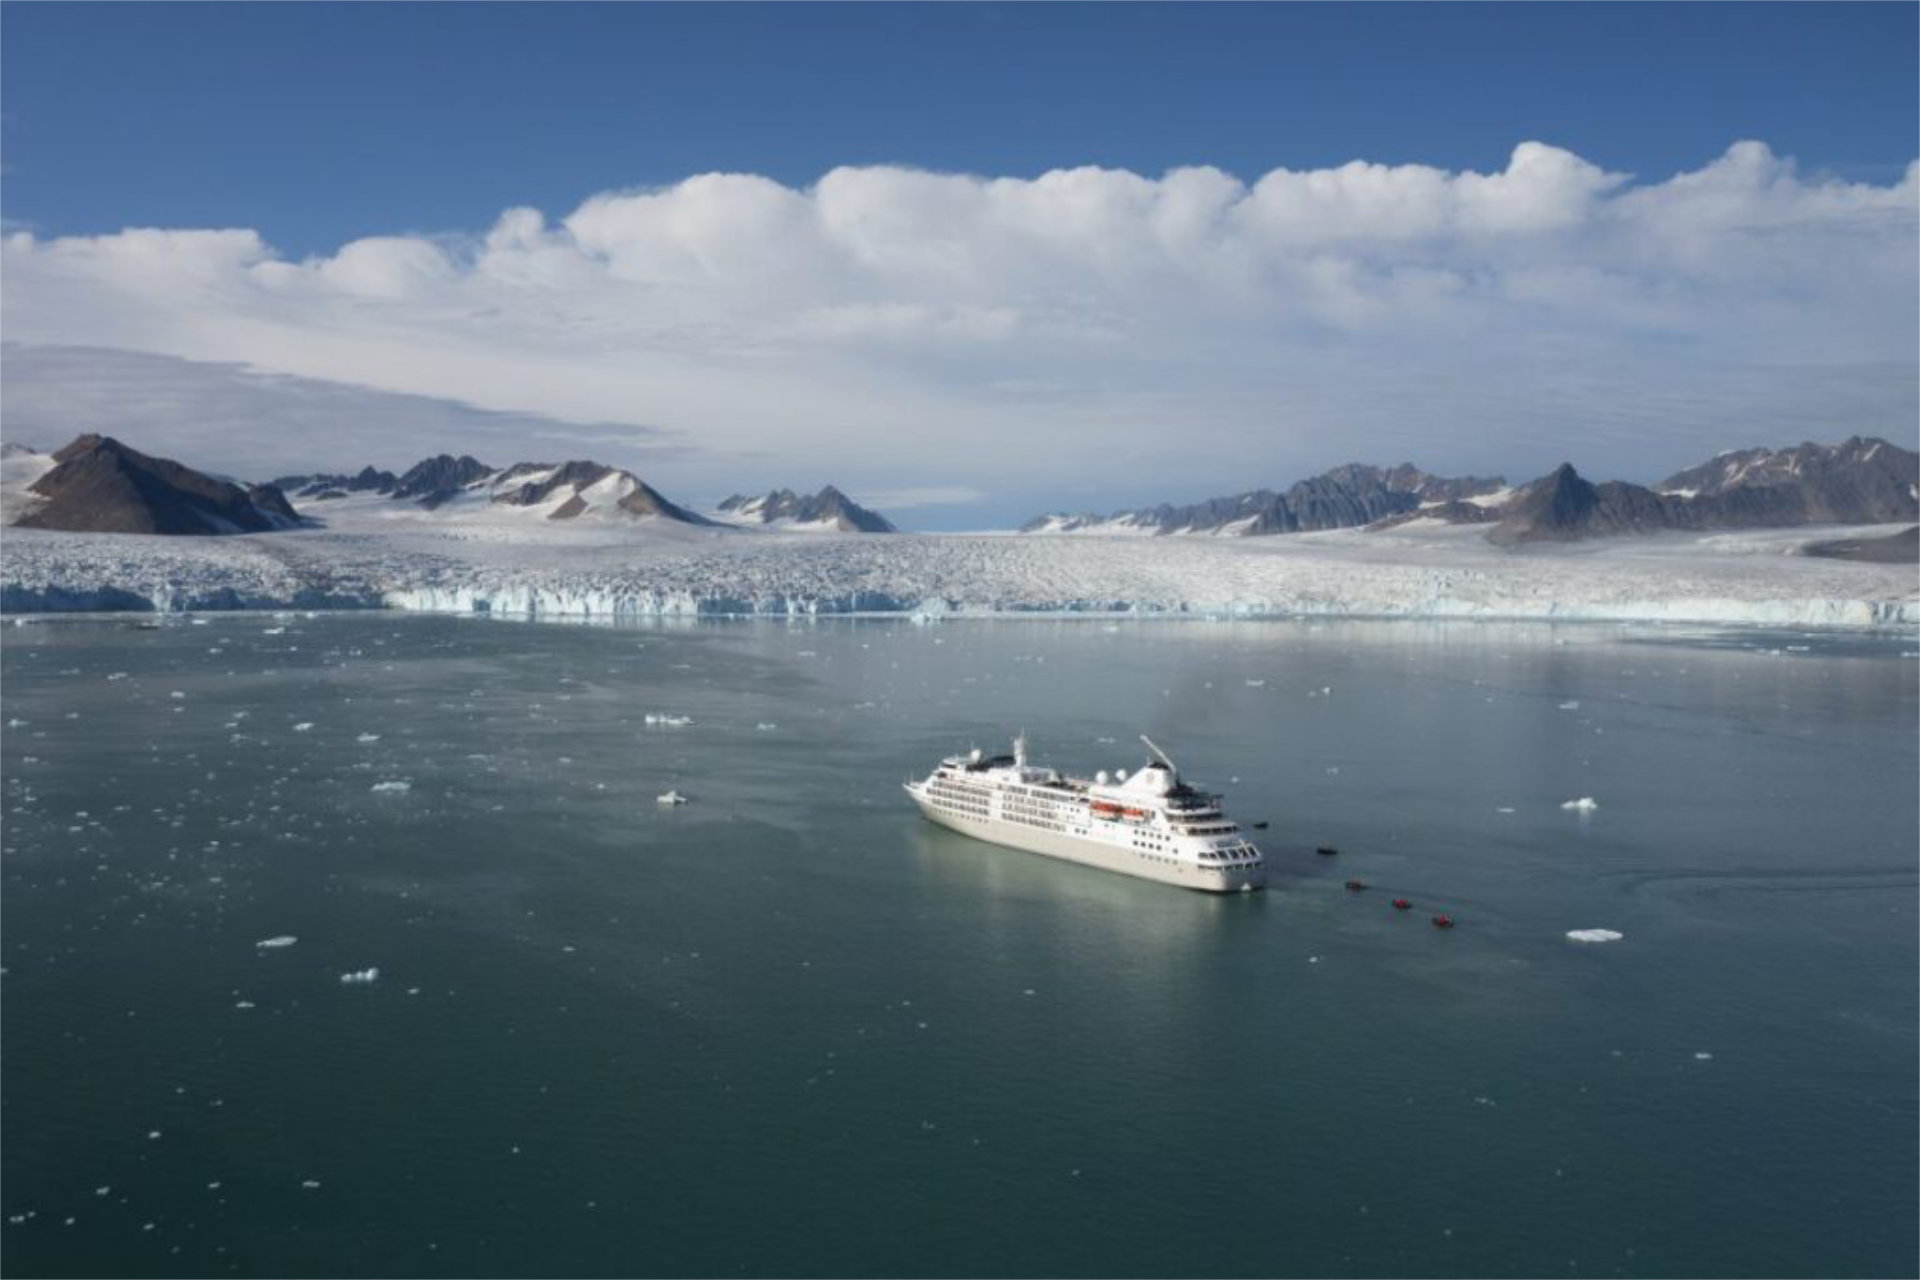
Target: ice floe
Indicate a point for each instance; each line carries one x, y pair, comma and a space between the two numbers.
279, 940
1585, 804
1594, 935
360, 977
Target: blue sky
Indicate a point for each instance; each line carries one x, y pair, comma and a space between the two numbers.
412, 129
317, 123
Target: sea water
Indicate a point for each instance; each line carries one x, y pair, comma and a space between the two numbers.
360, 945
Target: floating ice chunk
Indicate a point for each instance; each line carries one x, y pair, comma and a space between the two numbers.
177, 694
1256, 684
1594, 935
1504, 809
303, 726
670, 798
667, 721
1703, 1057
1585, 804
279, 940
310, 1184
396, 788
368, 737
1571, 704
274, 631
766, 726
360, 977
243, 1004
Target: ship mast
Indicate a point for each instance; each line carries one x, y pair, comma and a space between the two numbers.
1165, 759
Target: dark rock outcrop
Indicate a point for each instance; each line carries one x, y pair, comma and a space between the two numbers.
432, 481
99, 485
1858, 481
323, 486
1563, 507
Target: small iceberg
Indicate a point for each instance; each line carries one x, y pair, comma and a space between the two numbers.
391, 788
1572, 704
367, 737
667, 721
1594, 935
303, 726
359, 977
274, 943
1585, 804
670, 798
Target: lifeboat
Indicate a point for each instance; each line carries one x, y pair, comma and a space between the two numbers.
1355, 886
1134, 815
1401, 904
1443, 922
1106, 809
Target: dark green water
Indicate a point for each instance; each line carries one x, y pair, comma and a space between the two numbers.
789, 1029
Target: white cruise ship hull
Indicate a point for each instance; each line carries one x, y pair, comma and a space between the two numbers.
1091, 852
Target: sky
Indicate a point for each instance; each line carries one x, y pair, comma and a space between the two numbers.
967, 261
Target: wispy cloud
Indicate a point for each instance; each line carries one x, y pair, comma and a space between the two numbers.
939, 495
233, 418
1086, 334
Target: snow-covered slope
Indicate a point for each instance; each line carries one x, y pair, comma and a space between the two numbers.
572, 568
828, 511
20, 469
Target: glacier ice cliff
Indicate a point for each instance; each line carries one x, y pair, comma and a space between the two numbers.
1748, 578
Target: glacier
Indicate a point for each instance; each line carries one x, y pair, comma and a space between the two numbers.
652, 568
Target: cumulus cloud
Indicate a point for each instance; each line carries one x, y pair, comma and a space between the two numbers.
1087, 333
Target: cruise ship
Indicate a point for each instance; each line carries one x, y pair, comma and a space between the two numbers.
1149, 824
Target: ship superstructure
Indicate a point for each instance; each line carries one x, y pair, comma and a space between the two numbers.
1149, 824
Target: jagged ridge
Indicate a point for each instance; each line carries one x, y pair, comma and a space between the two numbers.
827, 507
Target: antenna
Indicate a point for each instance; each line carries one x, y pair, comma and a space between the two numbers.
1164, 757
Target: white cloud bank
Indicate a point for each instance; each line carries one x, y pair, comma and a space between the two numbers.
1088, 334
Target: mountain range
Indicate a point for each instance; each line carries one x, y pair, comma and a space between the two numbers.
1859, 481
98, 484
1339, 499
